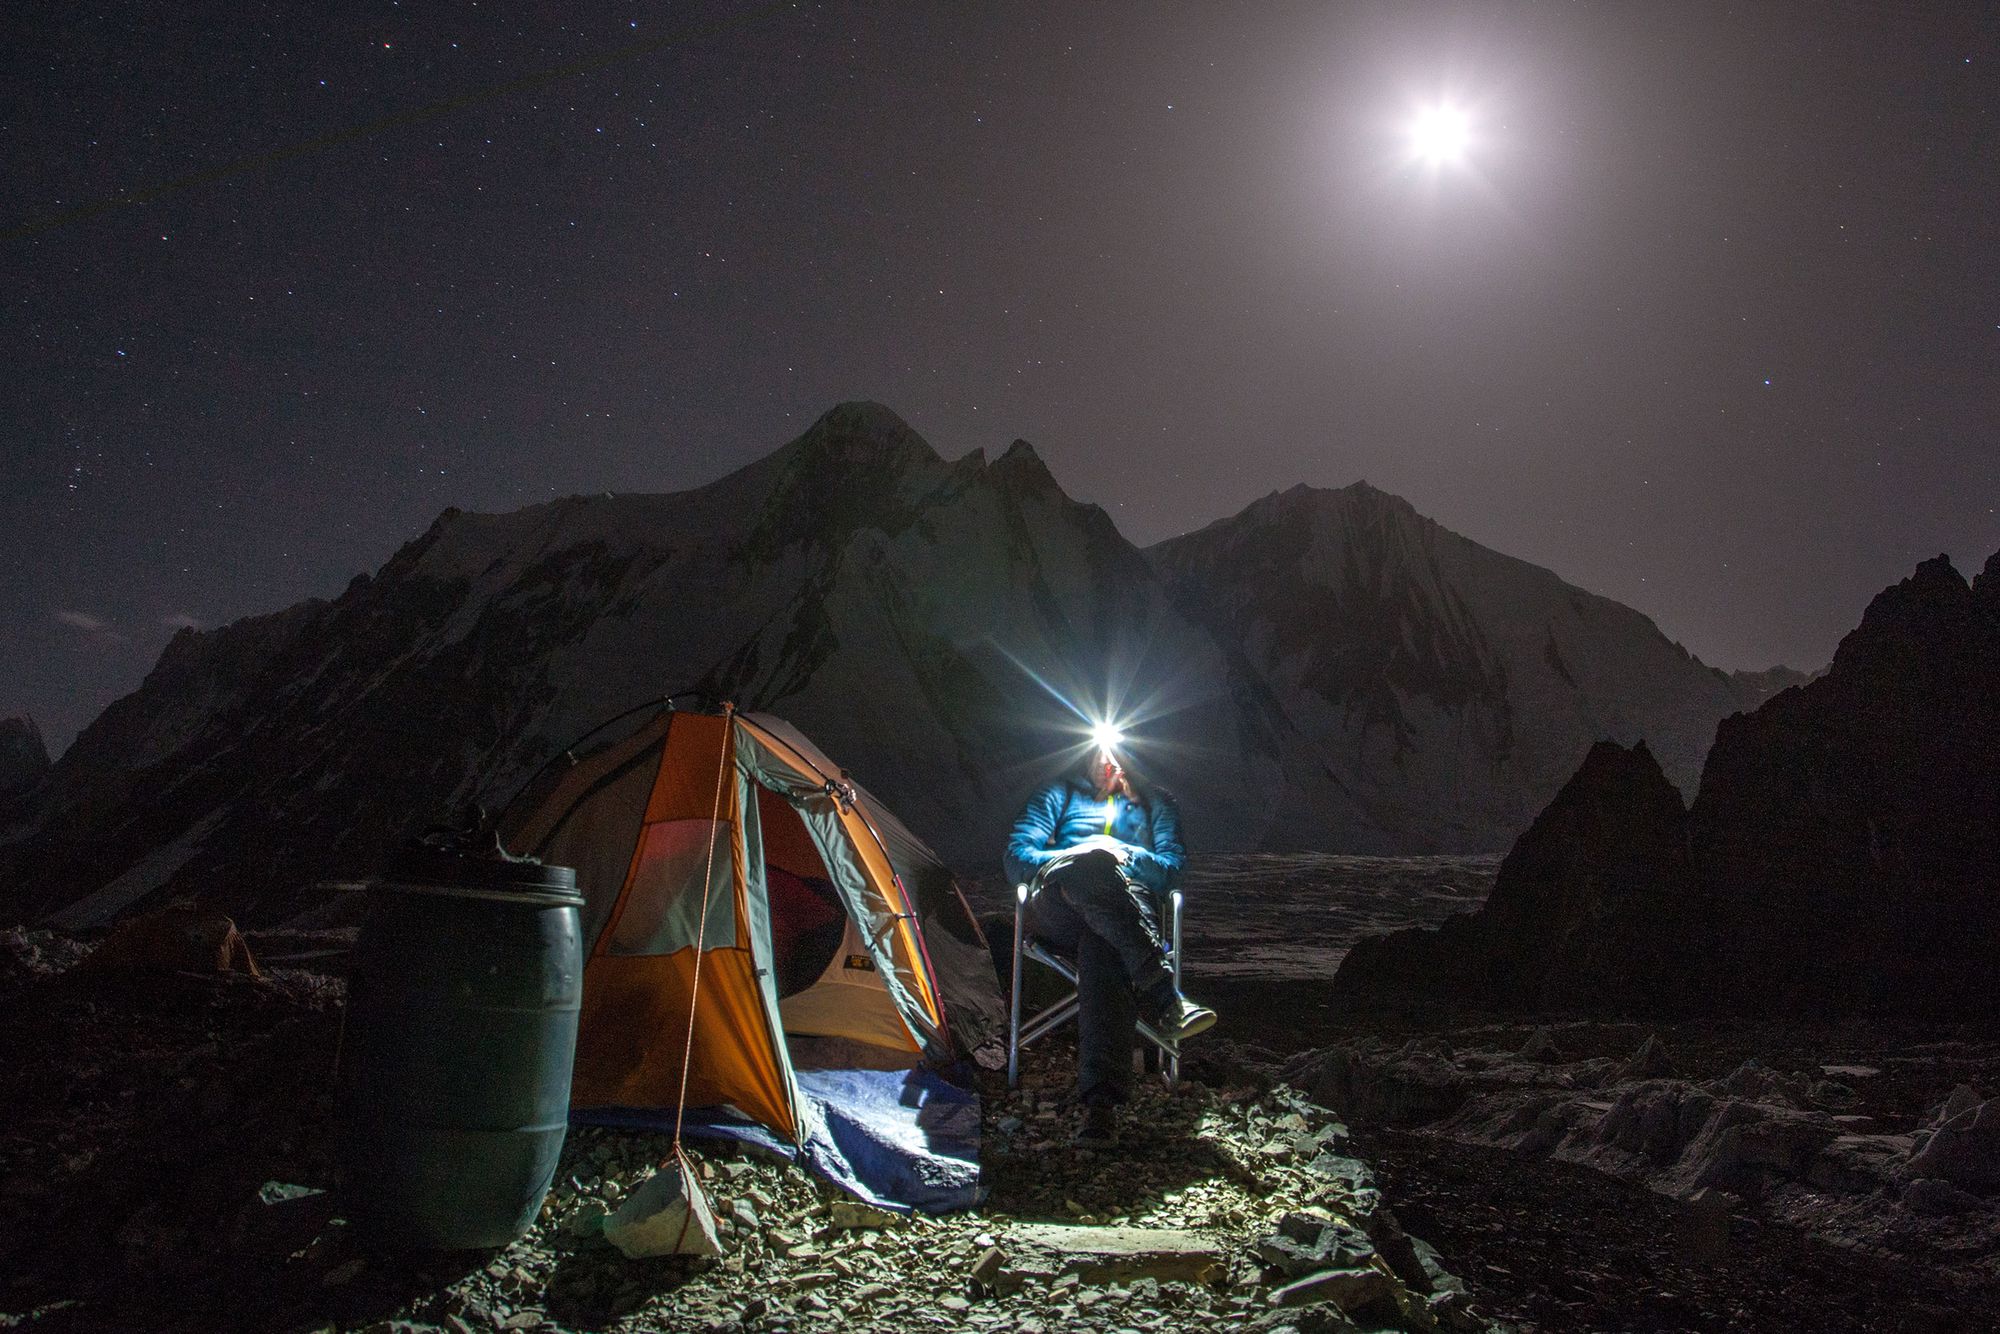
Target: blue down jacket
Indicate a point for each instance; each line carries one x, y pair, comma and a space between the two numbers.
1066, 813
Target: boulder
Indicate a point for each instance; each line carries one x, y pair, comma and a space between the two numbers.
1591, 905
1114, 1254
1931, 1198
1649, 1062
1964, 1151
1541, 1046
1746, 1146
986, 1269
1962, 1098
1350, 1289
852, 1215
1858, 1164
1759, 1082
666, 1215
1398, 1250
176, 939
1405, 1088
1311, 1240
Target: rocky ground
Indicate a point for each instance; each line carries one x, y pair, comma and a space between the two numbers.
1221, 1208
1557, 1247
164, 1152
166, 1167
1603, 1175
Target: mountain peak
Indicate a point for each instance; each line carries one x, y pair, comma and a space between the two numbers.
1986, 584
858, 466
1365, 492
1022, 467
1904, 621
1356, 495
865, 433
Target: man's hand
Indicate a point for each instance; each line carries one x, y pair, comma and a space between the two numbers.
1120, 851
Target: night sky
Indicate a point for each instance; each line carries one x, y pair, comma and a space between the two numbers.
1708, 319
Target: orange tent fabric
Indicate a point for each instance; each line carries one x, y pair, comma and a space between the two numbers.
671, 828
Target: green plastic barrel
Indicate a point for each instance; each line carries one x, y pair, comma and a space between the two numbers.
453, 1088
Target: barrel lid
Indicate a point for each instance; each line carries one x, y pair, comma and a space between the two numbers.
421, 868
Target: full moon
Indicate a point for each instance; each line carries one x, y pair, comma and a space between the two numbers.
1439, 135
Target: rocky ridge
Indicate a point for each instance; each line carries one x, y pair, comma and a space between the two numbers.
1844, 834
1756, 687
1334, 671
1839, 857
890, 603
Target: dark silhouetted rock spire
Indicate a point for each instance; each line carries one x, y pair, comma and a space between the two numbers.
23, 758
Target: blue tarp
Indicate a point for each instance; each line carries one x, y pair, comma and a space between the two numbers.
899, 1139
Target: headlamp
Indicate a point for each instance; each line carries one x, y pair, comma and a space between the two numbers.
1108, 737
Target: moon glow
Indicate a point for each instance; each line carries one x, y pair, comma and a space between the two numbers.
1440, 135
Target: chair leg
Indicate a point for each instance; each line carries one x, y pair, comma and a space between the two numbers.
1049, 1020
1173, 1058
1014, 992
1162, 1054
1165, 1053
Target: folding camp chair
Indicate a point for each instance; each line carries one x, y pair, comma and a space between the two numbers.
1062, 1011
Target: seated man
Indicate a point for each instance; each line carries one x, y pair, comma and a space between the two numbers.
1099, 852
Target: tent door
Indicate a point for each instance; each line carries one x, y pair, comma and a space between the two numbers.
827, 983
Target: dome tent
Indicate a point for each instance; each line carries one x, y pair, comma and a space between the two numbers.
835, 942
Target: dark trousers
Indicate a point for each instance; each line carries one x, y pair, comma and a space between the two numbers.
1089, 912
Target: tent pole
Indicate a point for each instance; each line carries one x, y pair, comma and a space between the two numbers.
521, 791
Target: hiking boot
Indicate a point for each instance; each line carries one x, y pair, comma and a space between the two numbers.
1171, 1014
1175, 1017
1181, 1018
1099, 1127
